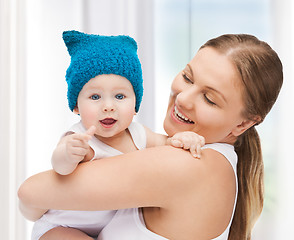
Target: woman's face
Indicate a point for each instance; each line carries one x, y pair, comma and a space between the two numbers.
206, 98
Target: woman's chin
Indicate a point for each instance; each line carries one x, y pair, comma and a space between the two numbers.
168, 126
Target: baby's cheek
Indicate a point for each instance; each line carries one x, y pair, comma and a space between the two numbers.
89, 119
128, 116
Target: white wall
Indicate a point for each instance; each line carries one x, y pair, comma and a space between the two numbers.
12, 95
283, 42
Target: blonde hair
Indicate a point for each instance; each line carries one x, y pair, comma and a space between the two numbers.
261, 73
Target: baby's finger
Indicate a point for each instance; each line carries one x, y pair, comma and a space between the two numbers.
193, 151
79, 151
176, 143
202, 140
82, 137
187, 143
80, 140
198, 150
91, 131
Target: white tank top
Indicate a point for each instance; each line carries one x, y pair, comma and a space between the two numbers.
90, 222
128, 224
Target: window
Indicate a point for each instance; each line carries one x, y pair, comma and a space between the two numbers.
181, 27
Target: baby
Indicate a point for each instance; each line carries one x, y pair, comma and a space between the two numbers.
105, 89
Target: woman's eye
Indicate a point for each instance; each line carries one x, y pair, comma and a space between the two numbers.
95, 97
119, 96
187, 79
208, 100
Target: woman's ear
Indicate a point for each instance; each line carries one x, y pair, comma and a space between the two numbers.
76, 110
246, 124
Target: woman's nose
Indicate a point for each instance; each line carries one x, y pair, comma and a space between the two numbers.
185, 98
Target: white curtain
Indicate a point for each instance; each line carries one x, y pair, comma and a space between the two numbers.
283, 42
12, 120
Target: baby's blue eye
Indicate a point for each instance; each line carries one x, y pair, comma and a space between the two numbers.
119, 96
95, 97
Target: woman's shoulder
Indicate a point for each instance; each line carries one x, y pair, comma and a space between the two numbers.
214, 157
212, 178
226, 150
205, 186
184, 173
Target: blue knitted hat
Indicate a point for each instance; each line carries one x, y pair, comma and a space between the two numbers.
93, 55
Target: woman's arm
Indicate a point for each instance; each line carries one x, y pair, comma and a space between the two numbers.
150, 177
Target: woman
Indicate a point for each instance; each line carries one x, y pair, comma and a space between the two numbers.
225, 90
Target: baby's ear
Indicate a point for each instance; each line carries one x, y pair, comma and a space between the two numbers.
76, 110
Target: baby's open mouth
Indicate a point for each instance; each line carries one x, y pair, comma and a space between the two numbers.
107, 122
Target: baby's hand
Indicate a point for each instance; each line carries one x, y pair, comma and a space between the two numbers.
188, 140
77, 145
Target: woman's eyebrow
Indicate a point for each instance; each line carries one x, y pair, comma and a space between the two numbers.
190, 69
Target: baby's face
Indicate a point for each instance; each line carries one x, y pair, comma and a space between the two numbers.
108, 103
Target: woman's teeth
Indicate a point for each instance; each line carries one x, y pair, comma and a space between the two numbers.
181, 117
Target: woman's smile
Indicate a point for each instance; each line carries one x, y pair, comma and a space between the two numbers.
180, 117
